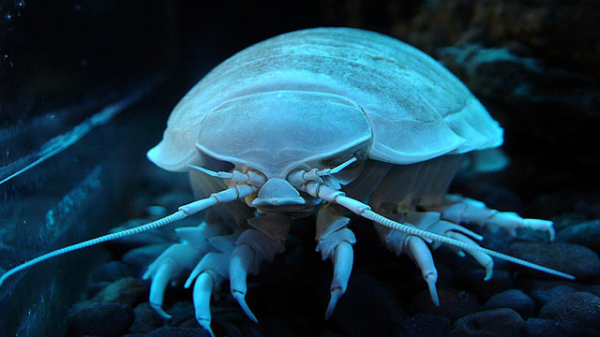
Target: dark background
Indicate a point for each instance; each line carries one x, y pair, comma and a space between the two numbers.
57, 54
534, 64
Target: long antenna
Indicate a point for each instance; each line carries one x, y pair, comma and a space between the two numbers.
230, 194
329, 194
155, 224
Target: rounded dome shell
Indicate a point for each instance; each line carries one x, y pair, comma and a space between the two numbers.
278, 131
416, 108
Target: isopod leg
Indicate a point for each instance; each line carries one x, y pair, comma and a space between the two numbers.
181, 256
242, 262
483, 259
266, 239
203, 289
458, 209
415, 247
208, 275
420, 252
164, 274
335, 241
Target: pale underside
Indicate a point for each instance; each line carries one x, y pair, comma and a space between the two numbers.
416, 108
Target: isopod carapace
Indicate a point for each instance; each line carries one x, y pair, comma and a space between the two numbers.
325, 121
416, 109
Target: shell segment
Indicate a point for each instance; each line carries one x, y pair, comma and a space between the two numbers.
417, 109
278, 131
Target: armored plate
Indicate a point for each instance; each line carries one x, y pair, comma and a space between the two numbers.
416, 108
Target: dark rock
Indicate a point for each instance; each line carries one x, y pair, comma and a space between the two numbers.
594, 290
497, 74
249, 329
228, 329
423, 325
513, 299
474, 65
544, 28
486, 188
574, 208
272, 327
178, 332
585, 234
548, 205
140, 258
146, 319
549, 112
128, 291
544, 295
99, 319
492, 323
473, 281
542, 291
539, 327
110, 272
193, 324
223, 328
454, 303
579, 308
328, 333
106, 274
181, 311
572, 259
367, 308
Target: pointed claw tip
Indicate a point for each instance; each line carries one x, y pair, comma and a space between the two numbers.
434, 296
489, 271
158, 308
328, 314
190, 279
205, 323
336, 294
431, 279
241, 299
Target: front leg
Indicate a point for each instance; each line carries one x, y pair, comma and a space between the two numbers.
262, 242
334, 242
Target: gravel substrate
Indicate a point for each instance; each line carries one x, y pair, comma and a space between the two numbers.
386, 295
